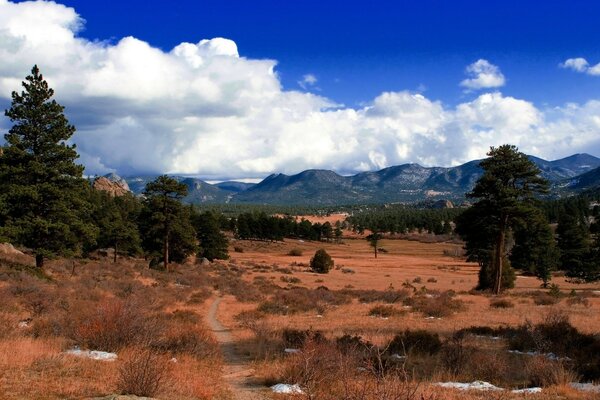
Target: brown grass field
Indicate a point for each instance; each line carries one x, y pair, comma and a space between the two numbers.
159, 325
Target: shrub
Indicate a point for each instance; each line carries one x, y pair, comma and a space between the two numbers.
554, 291
383, 311
321, 262
238, 249
501, 303
115, 324
295, 252
432, 280
186, 339
544, 372
418, 279
295, 338
418, 342
439, 306
578, 300
544, 299
143, 373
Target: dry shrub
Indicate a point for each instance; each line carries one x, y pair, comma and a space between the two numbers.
143, 372
114, 325
297, 338
545, 299
299, 299
248, 318
442, 305
384, 311
416, 342
295, 252
501, 303
578, 300
544, 372
186, 339
199, 296
492, 366
389, 296
8, 325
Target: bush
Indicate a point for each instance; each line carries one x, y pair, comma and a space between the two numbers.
114, 325
383, 311
296, 339
443, 305
321, 262
501, 303
143, 373
545, 299
295, 252
238, 249
417, 342
543, 372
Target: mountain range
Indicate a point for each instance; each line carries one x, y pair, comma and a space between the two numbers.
402, 183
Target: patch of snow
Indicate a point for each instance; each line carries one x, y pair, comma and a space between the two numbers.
23, 324
301, 241
93, 354
286, 389
319, 316
398, 356
291, 351
173, 360
476, 385
528, 390
585, 387
549, 356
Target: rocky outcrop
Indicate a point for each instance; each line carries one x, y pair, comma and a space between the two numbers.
112, 187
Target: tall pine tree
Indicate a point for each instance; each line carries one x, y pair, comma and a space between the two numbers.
41, 186
504, 195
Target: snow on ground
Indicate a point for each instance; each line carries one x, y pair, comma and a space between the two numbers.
476, 385
586, 387
286, 389
93, 354
291, 351
485, 386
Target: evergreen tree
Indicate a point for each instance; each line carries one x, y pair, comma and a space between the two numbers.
116, 219
213, 243
574, 245
41, 186
321, 262
505, 194
373, 240
166, 222
535, 250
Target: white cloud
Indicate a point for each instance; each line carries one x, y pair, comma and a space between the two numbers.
308, 81
580, 64
202, 109
483, 75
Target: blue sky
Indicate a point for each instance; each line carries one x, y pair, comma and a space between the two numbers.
358, 49
243, 89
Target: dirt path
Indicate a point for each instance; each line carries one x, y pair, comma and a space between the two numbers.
237, 371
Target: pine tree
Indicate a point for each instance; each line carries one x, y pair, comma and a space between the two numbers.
535, 250
166, 223
574, 244
505, 194
41, 186
213, 243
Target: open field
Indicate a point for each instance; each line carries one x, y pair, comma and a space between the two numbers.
262, 292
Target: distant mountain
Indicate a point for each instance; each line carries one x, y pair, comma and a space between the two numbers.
586, 181
198, 190
234, 186
401, 183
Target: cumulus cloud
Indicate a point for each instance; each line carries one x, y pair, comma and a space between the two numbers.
204, 109
308, 81
580, 64
483, 75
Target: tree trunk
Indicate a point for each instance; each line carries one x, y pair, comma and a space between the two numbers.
115, 255
375, 247
166, 251
39, 261
499, 255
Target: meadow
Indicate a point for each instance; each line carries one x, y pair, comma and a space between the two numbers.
391, 327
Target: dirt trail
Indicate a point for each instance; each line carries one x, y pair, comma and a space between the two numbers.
237, 370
